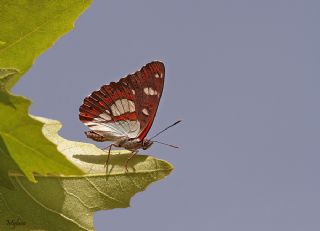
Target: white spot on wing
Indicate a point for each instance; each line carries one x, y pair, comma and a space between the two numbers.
157, 75
133, 91
122, 106
145, 111
151, 91
105, 116
131, 106
119, 106
146, 90
125, 104
99, 120
115, 110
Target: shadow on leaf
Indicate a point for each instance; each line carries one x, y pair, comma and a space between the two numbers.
115, 160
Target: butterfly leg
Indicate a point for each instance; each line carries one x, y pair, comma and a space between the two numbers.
106, 164
133, 153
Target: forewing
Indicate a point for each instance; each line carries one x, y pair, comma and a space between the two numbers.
148, 86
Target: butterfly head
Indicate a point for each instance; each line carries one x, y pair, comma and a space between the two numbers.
146, 144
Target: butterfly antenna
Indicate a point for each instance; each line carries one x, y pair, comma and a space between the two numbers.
170, 145
175, 123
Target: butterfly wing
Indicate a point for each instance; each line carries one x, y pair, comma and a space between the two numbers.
126, 108
148, 86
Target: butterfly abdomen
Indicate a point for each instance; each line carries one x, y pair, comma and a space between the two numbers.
95, 136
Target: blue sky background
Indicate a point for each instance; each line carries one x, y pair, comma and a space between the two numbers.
244, 77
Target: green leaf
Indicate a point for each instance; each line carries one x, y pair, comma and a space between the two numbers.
6, 162
68, 203
28, 28
2, 43
22, 143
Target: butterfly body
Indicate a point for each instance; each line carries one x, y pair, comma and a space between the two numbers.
123, 112
122, 142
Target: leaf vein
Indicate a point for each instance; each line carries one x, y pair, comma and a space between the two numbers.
47, 208
79, 199
106, 195
33, 31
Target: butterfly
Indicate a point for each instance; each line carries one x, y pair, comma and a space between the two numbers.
123, 112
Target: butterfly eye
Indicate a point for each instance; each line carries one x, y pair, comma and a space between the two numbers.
146, 144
